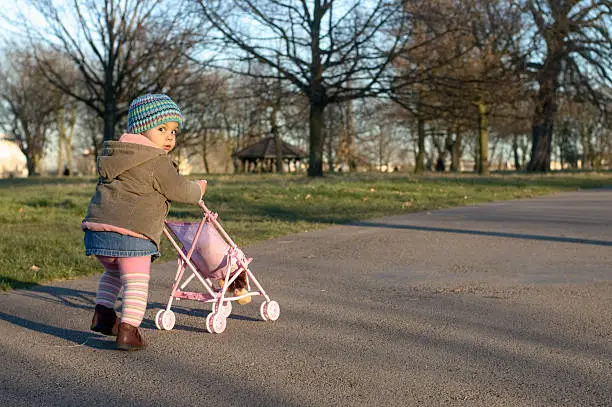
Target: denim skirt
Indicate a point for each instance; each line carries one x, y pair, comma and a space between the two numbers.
114, 244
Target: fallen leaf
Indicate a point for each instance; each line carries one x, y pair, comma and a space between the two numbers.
308, 196
34, 268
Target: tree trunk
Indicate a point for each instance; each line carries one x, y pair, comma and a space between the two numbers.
541, 147
350, 137
477, 156
456, 152
279, 153
34, 140
33, 158
586, 151
69, 137
276, 132
483, 126
494, 152
205, 152
65, 133
443, 147
317, 95
95, 142
61, 133
545, 107
419, 166
515, 148
315, 165
278, 144
110, 120
32, 162
329, 141
381, 152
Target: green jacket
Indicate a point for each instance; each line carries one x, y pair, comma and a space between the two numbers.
135, 188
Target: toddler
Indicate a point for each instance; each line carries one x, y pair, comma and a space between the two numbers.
124, 221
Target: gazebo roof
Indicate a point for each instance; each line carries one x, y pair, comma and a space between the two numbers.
266, 148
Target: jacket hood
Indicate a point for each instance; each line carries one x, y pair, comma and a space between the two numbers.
117, 157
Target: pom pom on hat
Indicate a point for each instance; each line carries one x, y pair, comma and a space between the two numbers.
148, 111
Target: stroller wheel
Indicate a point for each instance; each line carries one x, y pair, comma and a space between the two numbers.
269, 310
216, 322
226, 309
165, 320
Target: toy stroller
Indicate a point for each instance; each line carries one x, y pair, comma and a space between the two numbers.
211, 254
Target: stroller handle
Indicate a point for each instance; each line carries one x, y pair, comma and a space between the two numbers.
201, 205
213, 219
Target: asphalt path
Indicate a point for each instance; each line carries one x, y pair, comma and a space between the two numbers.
502, 304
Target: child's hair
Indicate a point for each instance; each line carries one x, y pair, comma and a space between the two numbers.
148, 111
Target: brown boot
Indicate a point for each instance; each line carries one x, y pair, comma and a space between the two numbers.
105, 320
129, 338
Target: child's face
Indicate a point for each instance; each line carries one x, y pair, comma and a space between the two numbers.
163, 135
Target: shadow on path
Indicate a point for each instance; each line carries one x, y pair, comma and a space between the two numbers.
486, 233
60, 295
79, 338
85, 300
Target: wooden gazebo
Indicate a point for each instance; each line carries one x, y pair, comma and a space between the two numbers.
262, 156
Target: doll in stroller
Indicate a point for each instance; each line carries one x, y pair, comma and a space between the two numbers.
222, 269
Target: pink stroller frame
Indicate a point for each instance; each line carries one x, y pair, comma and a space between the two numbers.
210, 254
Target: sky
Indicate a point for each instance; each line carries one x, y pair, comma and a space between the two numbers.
11, 20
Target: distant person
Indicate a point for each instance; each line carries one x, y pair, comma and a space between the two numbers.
124, 220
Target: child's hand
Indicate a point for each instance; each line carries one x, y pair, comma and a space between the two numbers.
203, 184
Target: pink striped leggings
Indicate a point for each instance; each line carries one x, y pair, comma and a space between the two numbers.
131, 273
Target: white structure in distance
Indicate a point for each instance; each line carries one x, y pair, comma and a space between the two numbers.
13, 162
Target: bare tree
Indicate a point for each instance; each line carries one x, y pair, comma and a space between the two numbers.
439, 36
463, 72
245, 113
204, 106
121, 48
330, 51
272, 95
511, 123
582, 134
66, 117
29, 103
572, 41
340, 135
377, 133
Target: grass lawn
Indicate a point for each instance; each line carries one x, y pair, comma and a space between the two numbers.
41, 239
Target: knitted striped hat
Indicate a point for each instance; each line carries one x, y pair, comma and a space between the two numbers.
148, 111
